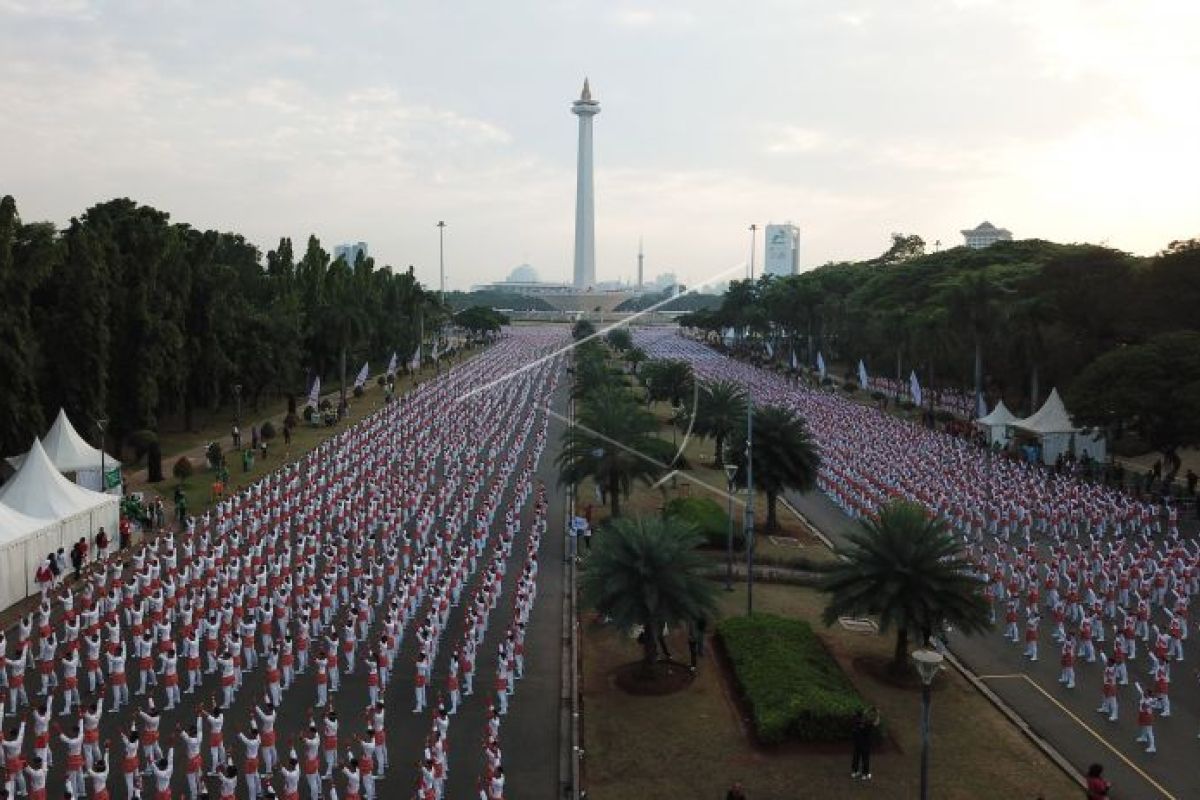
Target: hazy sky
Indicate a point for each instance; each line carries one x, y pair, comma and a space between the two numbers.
363, 119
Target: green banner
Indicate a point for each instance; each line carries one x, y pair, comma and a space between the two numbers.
112, 478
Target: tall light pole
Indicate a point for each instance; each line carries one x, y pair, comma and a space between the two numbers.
730, 475
749, 537
753, 231
928, 663
101, 424
441, 226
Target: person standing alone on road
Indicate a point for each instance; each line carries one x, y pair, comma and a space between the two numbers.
1097, 787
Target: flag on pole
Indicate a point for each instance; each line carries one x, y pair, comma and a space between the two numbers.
862, 375
391, 370
821, 365
361, 380
314, 394
415, 364
980, 406
728, 336
793, 359
434, 353
914, 387
770, 350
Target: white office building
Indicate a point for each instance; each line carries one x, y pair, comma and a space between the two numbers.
350, 251
782, 250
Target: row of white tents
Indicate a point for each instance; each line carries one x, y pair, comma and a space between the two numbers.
1051, 426
41, 510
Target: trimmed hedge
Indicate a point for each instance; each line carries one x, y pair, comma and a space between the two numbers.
708, 518
791, 684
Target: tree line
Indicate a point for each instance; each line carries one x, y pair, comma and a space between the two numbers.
127, 316
1009, 321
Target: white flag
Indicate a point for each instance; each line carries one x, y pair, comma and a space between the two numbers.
728, 336
914, 387
434, 353
314, 394
862, 375
361, 380
821, 365
391, 370
793, 359
416, 359
770, 350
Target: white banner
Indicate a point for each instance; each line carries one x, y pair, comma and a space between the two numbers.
314, 394
361, 380
415, 364
821, 365
914, 388
862, 375
391, 370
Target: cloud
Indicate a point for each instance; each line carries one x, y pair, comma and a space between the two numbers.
646, 17
792, 139
48, 9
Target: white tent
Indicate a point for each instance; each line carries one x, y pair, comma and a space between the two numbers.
39, 490
1058, 435
69, 453
997, 424
24, 542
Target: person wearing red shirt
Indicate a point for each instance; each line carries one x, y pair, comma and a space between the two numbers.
1097, 787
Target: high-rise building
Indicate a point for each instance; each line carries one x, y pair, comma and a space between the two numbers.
350, 251
641, 260
782, 250
585, 209
984, 235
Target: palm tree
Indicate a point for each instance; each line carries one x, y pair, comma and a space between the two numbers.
785, 456
635, 356
647, 573
720, 411
668, 379
907, 569
614, 444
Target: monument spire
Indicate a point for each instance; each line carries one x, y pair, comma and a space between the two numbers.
585, 209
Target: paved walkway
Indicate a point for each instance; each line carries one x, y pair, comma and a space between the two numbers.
1067, 719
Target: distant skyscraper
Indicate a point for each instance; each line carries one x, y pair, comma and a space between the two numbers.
984, 235
350, 251
782, 246
585, 209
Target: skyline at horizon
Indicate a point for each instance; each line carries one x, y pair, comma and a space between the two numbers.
1057, 120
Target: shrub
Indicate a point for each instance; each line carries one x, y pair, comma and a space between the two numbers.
907, 405
358, 391
791, 684
877, 395
267, 431
849, 387
380, 381
325, 404
309, 413
707, 517
182, 469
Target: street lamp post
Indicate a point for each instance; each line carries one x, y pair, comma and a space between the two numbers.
749, 537
928, 663
730, 474
441, 226
753, 230
101, 424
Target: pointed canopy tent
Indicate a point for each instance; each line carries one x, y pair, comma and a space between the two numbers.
40, 490
1057, 434
69, 453
24, 543
996, 424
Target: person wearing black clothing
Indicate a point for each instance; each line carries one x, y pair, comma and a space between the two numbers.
78, 553
861, 734
736, 792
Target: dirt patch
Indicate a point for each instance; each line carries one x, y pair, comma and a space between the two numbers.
665, 677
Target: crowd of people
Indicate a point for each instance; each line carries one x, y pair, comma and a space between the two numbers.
1104, 577
182, 666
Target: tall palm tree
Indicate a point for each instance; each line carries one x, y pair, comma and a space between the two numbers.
908, 570
668, 379
635, 356
614, 444
648, 573
785, 456
720, 412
